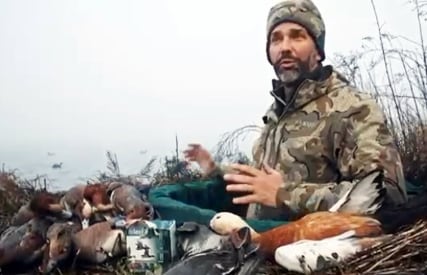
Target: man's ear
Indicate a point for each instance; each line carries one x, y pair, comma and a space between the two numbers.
318, 56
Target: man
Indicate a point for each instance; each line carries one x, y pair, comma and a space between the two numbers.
320, 134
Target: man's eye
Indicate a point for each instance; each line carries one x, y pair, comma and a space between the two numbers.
275, 38
297, 35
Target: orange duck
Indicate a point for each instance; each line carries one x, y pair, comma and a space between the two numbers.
96, 195
365, 198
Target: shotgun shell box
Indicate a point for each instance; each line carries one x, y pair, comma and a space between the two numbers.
151, 245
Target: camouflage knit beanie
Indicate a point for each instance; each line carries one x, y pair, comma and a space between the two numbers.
302, 12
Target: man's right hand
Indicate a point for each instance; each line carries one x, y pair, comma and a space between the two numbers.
195, 152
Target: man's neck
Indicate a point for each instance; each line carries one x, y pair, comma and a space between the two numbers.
313, 75
289, 89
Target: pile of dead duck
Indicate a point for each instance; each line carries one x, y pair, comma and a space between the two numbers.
86, 225
90, 224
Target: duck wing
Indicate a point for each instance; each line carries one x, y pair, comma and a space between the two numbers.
306, 256
364, 197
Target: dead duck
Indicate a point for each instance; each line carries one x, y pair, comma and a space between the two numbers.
319, 225
193, 238
96, 195
129, 202
237, 256
307, 256
43, 205
73, 201
94, 244
46, 204
54, 207
23, 215
22, 246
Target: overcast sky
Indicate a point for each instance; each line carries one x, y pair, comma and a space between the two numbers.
133, 73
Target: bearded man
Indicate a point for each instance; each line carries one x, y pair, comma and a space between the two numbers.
320, 135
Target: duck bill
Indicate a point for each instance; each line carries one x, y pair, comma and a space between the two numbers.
86, 210
56, 208
49, 267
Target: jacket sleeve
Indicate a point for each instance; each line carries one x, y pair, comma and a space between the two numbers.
361, 144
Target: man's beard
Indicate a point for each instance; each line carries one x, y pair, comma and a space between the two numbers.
293, 75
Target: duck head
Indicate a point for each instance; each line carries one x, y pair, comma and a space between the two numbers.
58, 246
225, 223
23, 215
96, 194
142, 210
24, 244
32, 241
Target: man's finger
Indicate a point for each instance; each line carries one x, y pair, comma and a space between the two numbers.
194, 145
267, 168
246, 199
246, 169
239, 188
188, 152
192, 158
238, 178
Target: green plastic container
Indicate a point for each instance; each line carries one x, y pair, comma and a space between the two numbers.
199, 201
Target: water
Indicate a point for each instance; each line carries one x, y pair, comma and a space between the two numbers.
78, 164
84, 160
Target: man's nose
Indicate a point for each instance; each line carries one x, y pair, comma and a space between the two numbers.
286, 45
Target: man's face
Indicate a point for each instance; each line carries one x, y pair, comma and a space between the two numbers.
292, 52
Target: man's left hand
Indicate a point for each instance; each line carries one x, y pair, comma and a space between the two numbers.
261, 184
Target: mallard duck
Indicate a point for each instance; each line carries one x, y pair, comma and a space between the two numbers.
236, 256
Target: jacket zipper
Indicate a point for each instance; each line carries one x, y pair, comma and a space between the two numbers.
283, 115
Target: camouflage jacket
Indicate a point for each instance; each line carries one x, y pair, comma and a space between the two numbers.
330, 135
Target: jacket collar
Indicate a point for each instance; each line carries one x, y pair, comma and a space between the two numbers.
307, 91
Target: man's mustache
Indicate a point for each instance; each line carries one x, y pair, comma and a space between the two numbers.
287, 56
